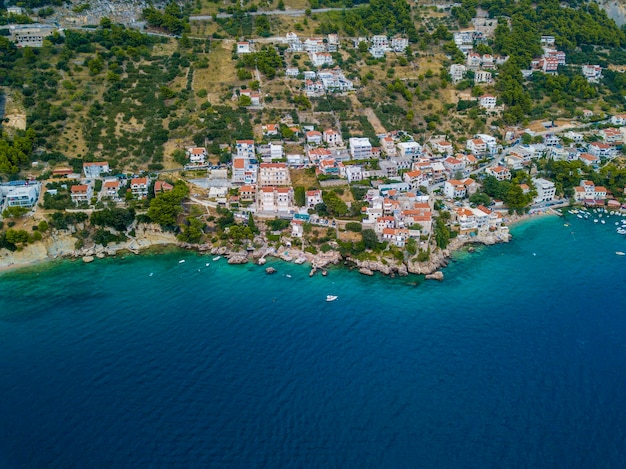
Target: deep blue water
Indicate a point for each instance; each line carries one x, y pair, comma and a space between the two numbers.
517, 359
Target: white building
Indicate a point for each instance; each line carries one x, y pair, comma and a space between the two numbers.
321, 58
476, 146
23, 196
501, 173
244, 171
81, 193
593, 73
275, 199
457, 72
454, 189
482, 76
245, 148
409, 149
601, 150
399, 44
313, 198
380, 40
273, 174
377, 52
139, 187
95, 169
353, 172
487, 101
545, 190
243, 47
332, 138
196, 154
360, 148
111, 189
313, 137
294, 42
314, 44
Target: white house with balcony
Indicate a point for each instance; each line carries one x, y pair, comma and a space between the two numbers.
601, 150
314, 137
501, 173
245, 148
545, 190
332, 137
454, 189
399, 44
313, 198
320, 59
487, 101
275, 199
81, 193
360, 148
593, 73
476, 146
273, 174
21, 196
409, 149
457, 72
197, 155
314, 44
139, 187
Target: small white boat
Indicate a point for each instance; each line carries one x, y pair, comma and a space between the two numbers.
579, 216
595, 220
207, 264
287, 275
217, 258
331, 297
620, 253
151, 274
603, 222
182, 261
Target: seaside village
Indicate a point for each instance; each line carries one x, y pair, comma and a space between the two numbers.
310, 175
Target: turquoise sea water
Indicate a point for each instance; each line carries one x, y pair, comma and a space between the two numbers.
517, 359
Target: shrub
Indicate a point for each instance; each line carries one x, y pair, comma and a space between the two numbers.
354, 227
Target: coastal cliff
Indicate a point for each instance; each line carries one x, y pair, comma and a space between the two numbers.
62, 243
431, 268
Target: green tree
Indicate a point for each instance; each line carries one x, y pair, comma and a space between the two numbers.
14, 212
480, 198
252, 224
370, 240
442, 233
165, 208
334, 204
299, 195
16, 236
192, 231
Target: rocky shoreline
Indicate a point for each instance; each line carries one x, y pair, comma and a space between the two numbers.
61, 244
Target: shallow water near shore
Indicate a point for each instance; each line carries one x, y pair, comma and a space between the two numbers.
516, 359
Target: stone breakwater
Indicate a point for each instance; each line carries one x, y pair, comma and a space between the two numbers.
61, 244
